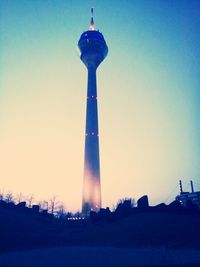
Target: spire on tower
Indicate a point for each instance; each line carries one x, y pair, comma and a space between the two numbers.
92, 20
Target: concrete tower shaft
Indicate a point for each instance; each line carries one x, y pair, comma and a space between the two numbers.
93, 50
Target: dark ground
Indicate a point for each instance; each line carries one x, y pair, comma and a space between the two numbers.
25, 230
172, 265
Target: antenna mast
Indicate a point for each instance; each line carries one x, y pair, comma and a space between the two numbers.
92, 19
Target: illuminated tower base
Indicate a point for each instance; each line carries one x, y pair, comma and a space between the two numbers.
93, 50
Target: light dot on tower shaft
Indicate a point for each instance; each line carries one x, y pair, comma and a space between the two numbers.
93, 50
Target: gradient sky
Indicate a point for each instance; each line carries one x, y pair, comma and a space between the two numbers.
148, 91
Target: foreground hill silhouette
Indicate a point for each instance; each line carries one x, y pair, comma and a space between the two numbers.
167, 226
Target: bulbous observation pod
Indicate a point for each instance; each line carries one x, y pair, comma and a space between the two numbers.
93, 48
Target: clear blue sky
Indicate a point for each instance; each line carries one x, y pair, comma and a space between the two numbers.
148, 91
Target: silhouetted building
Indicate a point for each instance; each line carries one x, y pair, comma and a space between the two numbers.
143, 202
188, 198
36, 208
22, 205
93, 50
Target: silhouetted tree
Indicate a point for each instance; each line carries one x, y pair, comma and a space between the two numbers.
53, 204
9, 197
1, 196
19, 198
30, 200
131, 202
124, 207
61, 211
43, 205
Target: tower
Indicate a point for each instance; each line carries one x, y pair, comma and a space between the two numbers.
93, 50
